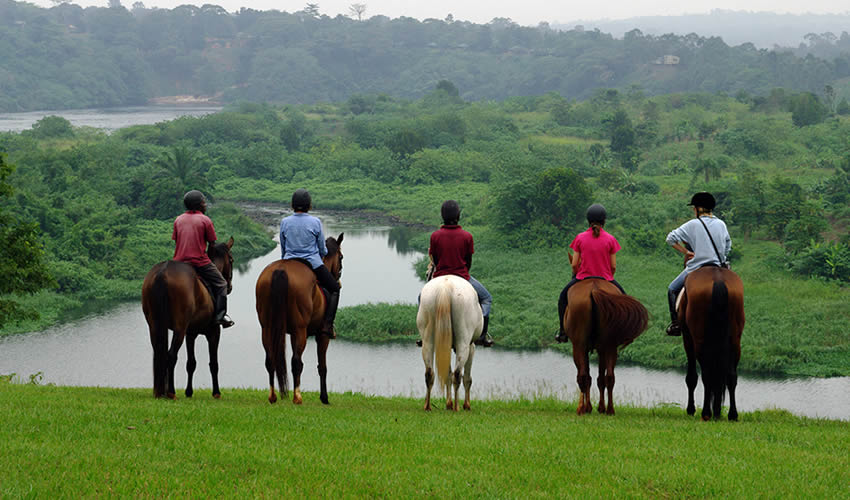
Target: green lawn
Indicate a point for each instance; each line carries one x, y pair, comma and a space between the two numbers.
87, 442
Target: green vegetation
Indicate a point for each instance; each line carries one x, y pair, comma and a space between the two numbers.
61, 441
523, 175
71, 57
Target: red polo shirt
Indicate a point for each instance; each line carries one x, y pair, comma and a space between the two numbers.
451, 246
192, 231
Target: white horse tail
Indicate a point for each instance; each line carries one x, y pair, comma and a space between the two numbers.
442, 330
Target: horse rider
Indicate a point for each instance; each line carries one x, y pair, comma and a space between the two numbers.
193, 230
302, 238
451, 253
595, 257
703, 240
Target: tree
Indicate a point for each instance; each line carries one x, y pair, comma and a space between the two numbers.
311, 9
806, 109
22, 260
357, 10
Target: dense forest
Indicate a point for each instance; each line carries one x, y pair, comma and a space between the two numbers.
71, 57
524, 170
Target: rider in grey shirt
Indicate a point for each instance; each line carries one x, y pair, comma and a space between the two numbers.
698, 249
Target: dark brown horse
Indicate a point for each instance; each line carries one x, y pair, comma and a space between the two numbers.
289, 301
599, 317
712, 313
174, 298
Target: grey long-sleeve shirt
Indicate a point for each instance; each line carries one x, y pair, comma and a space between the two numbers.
694, 235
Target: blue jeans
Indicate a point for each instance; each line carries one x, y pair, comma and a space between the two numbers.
677, 284
484, 297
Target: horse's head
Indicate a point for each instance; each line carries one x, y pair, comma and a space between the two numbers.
219, 254
333, 260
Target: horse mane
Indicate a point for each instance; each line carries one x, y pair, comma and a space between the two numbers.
333, 246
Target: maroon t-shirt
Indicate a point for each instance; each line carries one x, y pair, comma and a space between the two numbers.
192, 231
450, 247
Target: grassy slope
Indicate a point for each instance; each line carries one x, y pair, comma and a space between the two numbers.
60, 441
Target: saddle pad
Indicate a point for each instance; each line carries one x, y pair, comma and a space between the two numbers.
679, 299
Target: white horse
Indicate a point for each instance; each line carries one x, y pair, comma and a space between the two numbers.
449, 316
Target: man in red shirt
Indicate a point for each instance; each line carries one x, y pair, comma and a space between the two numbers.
451, 252
192, 231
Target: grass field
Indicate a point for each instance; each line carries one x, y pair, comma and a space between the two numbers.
88, 442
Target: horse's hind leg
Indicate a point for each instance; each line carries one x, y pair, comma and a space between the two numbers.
322, 342
428, 358
267, 340
691, 378
610, 361
191, 362
600, 382
176, 343
299, 342
213, 339
467, 377
582, 378
732, 383
159, 342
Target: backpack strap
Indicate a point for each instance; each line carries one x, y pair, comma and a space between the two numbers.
719, 259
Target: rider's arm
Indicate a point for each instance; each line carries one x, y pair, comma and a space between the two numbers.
576, 262
684, 251
468, 262
613, 263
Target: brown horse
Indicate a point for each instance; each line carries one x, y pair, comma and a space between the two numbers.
289, 301
600, 317
712, 313
174, 298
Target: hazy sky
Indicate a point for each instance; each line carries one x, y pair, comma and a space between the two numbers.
525, 12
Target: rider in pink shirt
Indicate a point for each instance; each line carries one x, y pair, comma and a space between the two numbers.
595, 257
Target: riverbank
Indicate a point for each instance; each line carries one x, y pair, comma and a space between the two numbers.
66, 441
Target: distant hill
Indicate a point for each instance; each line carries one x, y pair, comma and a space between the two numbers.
70, 57
762, 29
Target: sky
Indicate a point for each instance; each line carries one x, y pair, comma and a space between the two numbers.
524, 12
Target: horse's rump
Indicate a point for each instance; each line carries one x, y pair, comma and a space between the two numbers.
598, 313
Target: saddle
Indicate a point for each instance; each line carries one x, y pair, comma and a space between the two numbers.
322, 289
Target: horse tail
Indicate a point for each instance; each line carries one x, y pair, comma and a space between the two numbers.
278, 296
161, 312
625, 318
717, 350
442, 330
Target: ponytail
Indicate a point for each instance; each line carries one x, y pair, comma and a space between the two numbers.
597, 228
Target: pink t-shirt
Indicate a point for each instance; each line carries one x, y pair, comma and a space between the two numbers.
192, 231
595, 254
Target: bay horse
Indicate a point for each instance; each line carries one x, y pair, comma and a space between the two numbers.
711, 312
449, 317
599, 317
174, 298
289, 300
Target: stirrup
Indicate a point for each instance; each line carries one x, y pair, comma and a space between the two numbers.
484, 341
226, 322
674, 329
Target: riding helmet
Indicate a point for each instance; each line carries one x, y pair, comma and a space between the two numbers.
596, 213
450, 211
301, 200
194, 199
703, 200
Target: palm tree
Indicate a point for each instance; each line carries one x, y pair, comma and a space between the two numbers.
182, 165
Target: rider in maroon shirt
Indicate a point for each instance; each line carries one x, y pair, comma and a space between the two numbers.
193, 230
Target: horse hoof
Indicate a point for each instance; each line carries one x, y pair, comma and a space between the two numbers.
427, 407
189, 393
172, 396
297, 401
706, 418
466, 406
449, 405
610, 411
217, 395
272, 399
325, 400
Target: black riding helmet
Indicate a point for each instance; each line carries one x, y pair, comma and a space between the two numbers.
596, 213
703, 200
301, 200
194, 199
450, 211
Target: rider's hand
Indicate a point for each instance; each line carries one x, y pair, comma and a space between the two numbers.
689, 256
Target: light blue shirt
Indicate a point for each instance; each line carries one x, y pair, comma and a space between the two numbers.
694, 235
301, 237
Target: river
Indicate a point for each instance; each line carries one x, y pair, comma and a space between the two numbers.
112, 349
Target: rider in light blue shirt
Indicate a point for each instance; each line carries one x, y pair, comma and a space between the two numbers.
302, 238
698, 249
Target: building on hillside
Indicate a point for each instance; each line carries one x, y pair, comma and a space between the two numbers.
667, 60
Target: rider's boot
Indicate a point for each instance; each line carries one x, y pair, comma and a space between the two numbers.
330, 314
221, 311
562, 335
484, 339
674, 330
